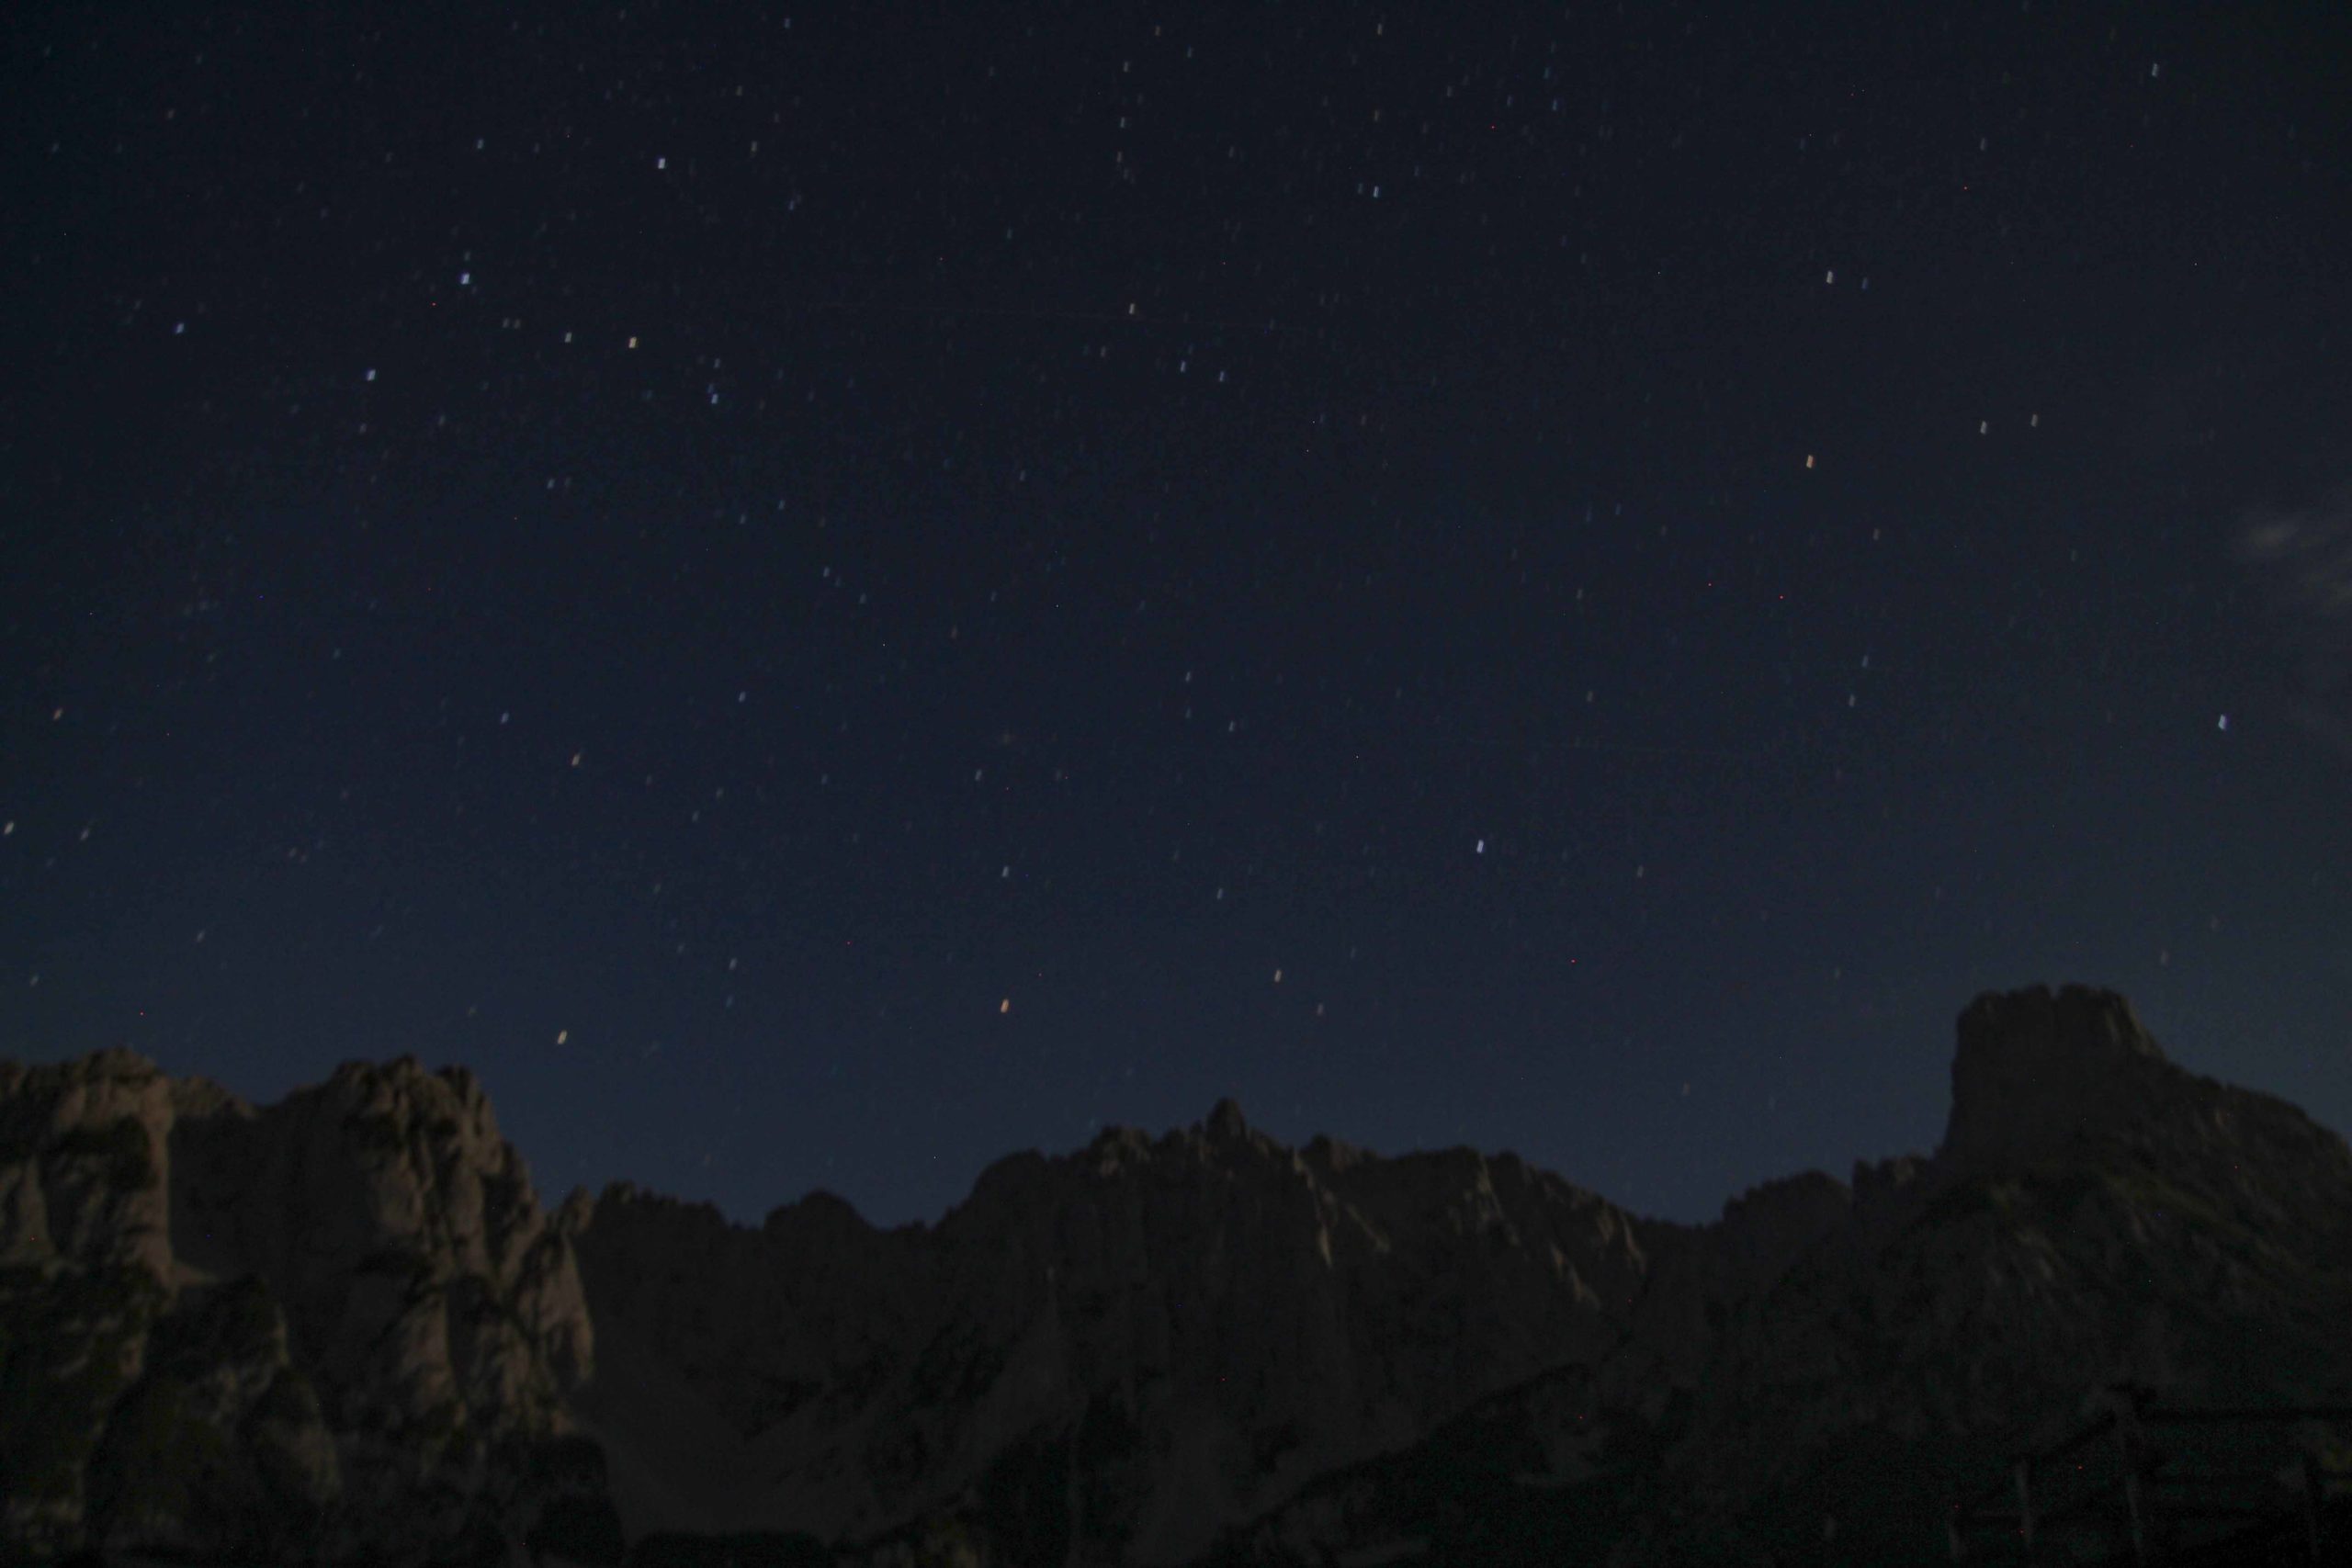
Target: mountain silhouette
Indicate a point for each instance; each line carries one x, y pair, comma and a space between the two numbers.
342, 1327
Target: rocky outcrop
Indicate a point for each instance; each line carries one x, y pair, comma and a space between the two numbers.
342, 1322
2037, 1071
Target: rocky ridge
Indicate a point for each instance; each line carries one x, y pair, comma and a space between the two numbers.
1201, 1347
1189, 1325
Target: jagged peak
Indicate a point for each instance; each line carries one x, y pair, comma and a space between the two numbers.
1806, 1190
1226, 1120
122, 1061
464, 1079
110, 1062
1123, 1136
1337, 1154
401, 1074
403, 1065
817, 1207
195, 1096
576, 1210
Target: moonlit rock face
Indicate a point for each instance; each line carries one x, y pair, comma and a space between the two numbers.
292, 1313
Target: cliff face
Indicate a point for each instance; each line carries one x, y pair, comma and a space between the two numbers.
343, 1321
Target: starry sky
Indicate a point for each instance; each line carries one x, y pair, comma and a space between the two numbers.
825, 594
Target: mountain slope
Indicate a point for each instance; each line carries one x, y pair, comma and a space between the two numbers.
345, 1323
2095, 1214
1214, 1317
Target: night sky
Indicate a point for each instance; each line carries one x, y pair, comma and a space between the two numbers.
827, 594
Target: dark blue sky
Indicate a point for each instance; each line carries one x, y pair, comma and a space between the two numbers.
826, 596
